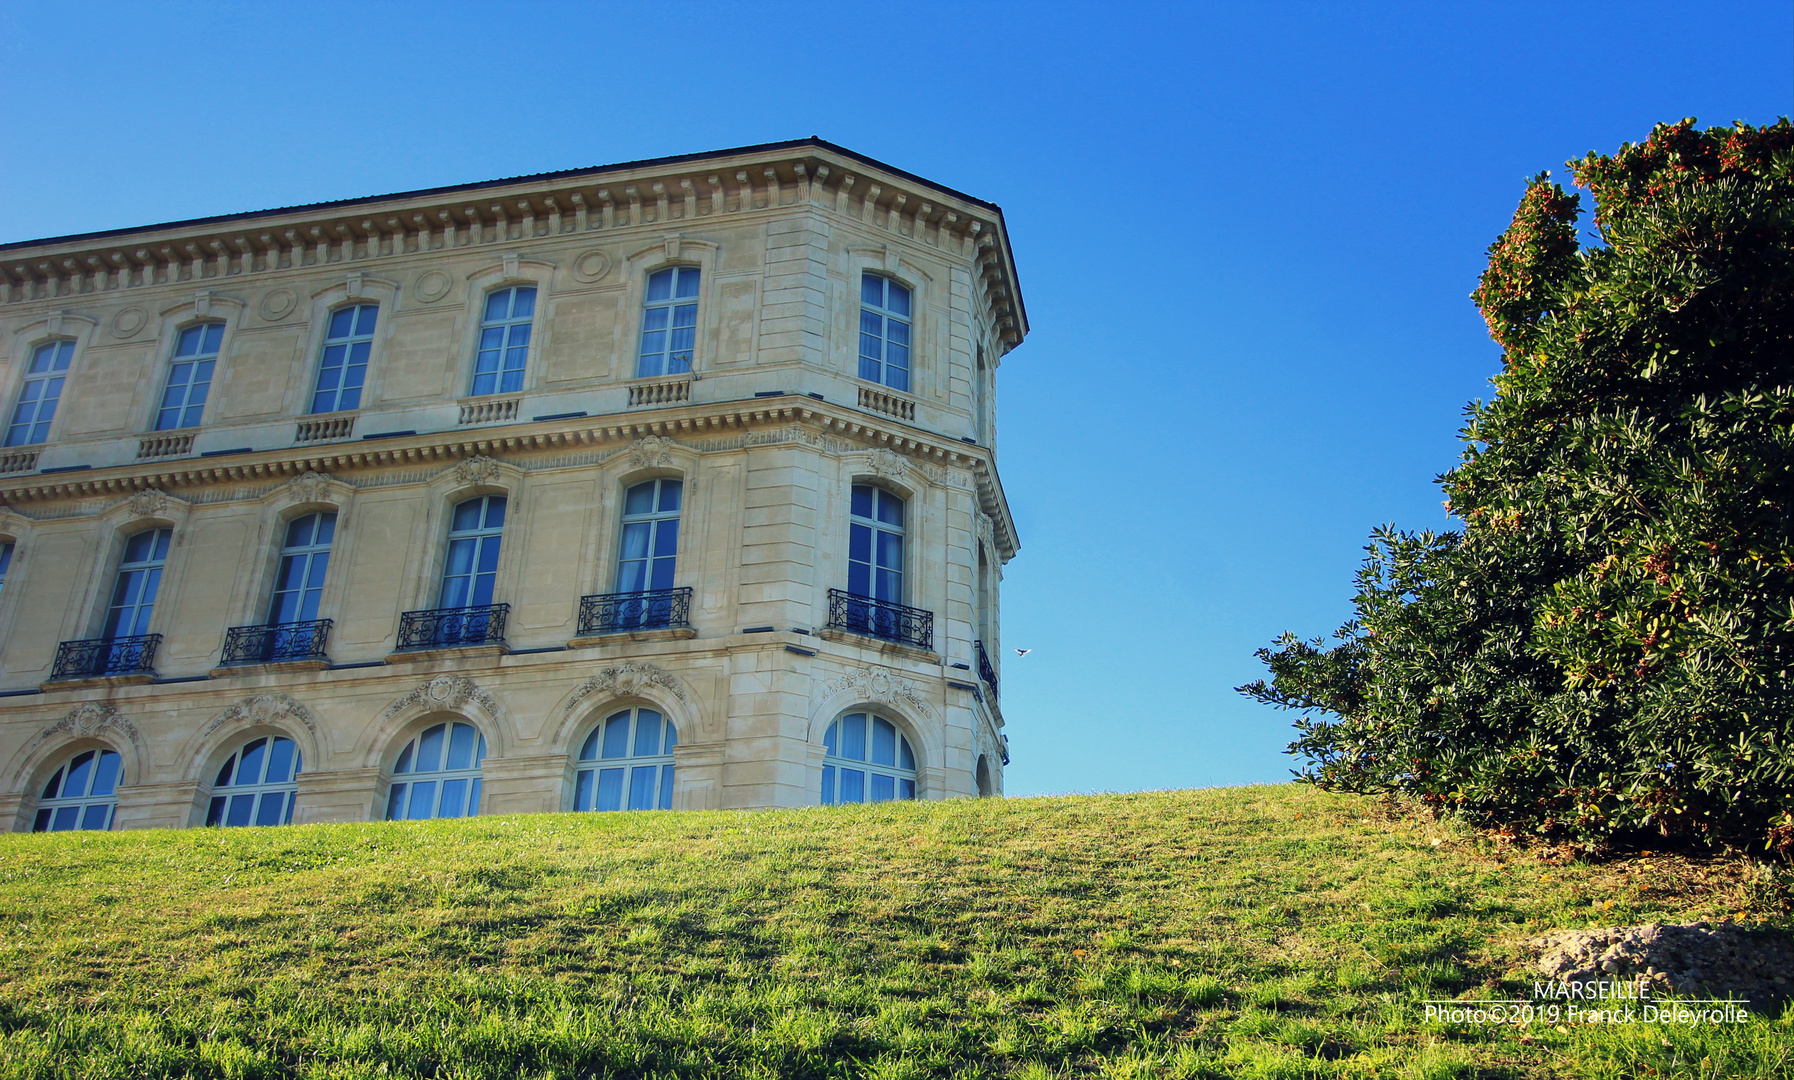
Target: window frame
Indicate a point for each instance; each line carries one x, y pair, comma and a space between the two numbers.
479, 534
224, 795
886, 315
481, 325
589, 772
655, 519
355, 337
176, 360
875, 527
48, 807
156, 565
404, 790
670, 305
27, 378
310, 552
836, 763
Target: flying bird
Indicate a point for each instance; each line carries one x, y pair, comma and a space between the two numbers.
1023, 652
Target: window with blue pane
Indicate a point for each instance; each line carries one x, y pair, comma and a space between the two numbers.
626, 763
343, 364
884, 331
471, 568
866, 759
669, 322
82, 793
190, 376
875, 544
39, 393
257, 785
304, 559
504, 341
437, 774
650, 543
5, 563
139, 578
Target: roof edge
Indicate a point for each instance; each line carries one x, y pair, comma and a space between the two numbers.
563, 174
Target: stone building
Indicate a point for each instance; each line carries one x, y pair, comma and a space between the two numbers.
663, 484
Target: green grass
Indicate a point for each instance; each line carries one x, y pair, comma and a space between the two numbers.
1259, 932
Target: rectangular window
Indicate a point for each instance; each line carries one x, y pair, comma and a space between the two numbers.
5, 564
884, 332
41, 391
190, 377
669, 322
504, 341
343, 365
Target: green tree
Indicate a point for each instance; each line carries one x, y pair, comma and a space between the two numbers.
1606, 646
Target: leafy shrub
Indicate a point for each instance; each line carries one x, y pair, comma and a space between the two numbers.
1606, 646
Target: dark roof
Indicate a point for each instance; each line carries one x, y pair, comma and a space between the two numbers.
563, 174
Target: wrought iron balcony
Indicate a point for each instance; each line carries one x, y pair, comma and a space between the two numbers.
445, 628
880, 619
94, 658
276, 643
616, 613
985, 671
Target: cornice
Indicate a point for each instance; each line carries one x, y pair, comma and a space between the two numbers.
448, 447
664, 193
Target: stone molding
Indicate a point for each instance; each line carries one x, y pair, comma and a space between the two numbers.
84, 721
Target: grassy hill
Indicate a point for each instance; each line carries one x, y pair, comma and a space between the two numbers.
1265, 931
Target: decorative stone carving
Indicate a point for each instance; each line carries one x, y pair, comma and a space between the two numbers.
478, 469
444, 692
268, 709
278, 304
651, 451
626, 680
879, 685
127, 322
590, 266
148, 503
888, 465
310, 487
431, 286
86, 720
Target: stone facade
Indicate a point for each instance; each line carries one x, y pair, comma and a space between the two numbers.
769, 432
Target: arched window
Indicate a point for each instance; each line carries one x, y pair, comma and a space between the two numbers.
257, 785
343, 365
190, 376
471, 568
632, 749
81, 794
438, 774
868, 760
39, 394
304, 558
884, 331
875, 544
669, 322
134, 591
504, 340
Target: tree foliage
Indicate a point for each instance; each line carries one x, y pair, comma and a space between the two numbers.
1606, 646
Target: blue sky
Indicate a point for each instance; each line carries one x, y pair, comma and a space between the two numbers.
1246, 235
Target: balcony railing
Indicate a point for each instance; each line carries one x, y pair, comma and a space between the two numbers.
616, 613
94, 658
880, 619
445, 628
985, 671
276, 643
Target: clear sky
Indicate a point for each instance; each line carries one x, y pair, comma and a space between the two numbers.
1246, 234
